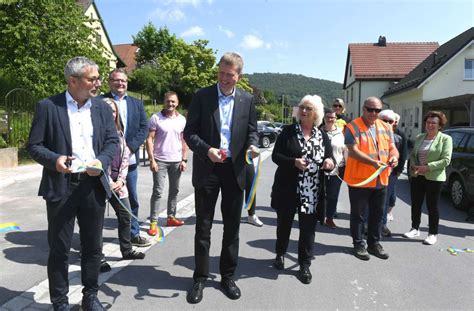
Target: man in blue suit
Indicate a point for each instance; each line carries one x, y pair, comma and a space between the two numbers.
221, 127
135, 125
73, 136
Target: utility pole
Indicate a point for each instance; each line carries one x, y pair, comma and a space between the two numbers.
282, 98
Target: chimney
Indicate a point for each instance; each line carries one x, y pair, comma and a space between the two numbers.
382, 41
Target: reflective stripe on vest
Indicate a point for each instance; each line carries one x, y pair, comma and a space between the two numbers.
357, 171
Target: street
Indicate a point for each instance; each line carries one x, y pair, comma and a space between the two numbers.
415, 276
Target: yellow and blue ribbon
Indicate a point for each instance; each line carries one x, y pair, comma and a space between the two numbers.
9, 226
369, 179
253, 189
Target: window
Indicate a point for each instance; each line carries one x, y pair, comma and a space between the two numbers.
470, 145
469, 69
352, 94
458, 141
350, 71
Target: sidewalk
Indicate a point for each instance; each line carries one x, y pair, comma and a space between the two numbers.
20, 173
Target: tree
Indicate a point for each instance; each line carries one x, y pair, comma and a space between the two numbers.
37, 38
169, 63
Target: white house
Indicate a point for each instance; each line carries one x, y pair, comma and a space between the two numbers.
443, 81
371, 68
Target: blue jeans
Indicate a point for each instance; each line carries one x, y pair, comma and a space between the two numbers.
391, 196
333, 186
174, 174
132, 178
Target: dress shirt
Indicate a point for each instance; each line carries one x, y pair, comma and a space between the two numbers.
226, 110
82, 130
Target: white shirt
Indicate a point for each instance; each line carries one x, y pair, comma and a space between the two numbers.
80, 125
122, 104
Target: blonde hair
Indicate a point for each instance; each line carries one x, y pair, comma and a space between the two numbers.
340, 102
118, 121
232, 59
318, 108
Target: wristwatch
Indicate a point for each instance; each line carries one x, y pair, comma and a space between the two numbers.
184, 160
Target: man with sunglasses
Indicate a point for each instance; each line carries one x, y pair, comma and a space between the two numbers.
371, 146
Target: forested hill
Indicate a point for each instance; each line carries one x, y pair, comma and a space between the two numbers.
295, 86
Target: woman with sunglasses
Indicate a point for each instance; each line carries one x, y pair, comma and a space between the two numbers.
400, 140
339, 107
302, 152
428, 160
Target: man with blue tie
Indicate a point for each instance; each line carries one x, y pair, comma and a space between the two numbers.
135, 126
73, 136
221, 127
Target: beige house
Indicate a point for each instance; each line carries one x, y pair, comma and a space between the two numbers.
95, 22
443, 81
371, 68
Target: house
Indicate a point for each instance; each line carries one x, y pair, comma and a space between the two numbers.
443, 81
95, 22
371, 68
127, 53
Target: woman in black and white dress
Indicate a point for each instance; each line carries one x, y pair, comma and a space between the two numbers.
302, 152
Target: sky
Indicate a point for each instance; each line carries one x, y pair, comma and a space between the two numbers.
308, 37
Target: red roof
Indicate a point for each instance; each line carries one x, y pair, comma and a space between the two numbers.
393, 61
127, 53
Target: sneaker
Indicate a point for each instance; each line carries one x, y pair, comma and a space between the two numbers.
412, 233
174, 222
390, 216
253, 220
132, 255
361, 253
431, 239
153, 229
140, 241
378, 251
330, 223
386, 232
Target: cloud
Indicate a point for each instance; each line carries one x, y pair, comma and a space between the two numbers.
194, 31
194, 3
227, 32
251, 42
170, 15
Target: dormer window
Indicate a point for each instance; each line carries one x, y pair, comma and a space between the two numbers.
469, 69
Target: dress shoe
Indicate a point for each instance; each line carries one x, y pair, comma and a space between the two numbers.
230, 289
104, 266
304, 275
378, 251
132, 255
195, 294
330, 223
174, 222
91, 303
279, 262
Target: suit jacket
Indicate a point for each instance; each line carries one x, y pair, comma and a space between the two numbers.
287, 149
137, 124
50, 137
439, 156
202, 132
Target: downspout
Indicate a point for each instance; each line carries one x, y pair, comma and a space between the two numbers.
360, 90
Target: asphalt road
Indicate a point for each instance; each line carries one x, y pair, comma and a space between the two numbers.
415, 276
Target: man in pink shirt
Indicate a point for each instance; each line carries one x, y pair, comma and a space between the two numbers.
167, 152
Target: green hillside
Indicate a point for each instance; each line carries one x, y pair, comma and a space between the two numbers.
295, 86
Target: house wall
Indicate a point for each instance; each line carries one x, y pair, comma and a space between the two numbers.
409, 105
365, 89
95, 23
449, 80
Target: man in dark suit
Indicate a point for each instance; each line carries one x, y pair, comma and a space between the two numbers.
135, 125
73, 136
221, 126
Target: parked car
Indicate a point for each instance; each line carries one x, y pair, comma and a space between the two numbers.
266, 135
270, 125
460, 172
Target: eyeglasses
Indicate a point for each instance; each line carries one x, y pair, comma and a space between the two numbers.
337, 106
388, 121
118, 80
376, 110
92, 79
305, 108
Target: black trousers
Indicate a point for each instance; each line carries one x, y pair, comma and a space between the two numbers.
366, 198
420, 187
124, 220
250, 173
221, 179
307, 226
86, 201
